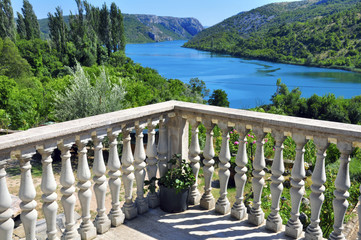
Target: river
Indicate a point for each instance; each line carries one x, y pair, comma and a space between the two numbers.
248, 83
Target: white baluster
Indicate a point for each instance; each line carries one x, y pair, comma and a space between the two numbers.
223, 206
116, 214
48, 187
239, 210
207, 201
294, 226
27, 194
194, 151
6, 222
68, 199
163, 146
129, 207
256, 215
86, 229
342, 184
102, 222
274, 220
139, 164
314, 231
151, 151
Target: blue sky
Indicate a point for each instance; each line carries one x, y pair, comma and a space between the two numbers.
208, 12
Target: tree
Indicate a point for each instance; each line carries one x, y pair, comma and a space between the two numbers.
31, 21
117, 28
104, 28
198, 86
20, 26
82, 99
219, 98
7, 23
58, 31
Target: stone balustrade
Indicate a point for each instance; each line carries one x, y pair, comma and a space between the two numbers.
173, 120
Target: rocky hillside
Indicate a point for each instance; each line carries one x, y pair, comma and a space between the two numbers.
141, 28
308, 32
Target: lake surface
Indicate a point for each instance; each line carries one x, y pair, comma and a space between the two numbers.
248, 83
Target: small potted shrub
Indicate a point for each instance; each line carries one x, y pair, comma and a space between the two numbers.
174, 185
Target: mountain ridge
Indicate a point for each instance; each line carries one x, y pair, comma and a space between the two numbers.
142, 28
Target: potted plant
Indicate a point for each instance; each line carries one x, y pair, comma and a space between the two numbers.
174, 185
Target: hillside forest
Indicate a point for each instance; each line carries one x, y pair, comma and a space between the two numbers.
80, 71
312, 33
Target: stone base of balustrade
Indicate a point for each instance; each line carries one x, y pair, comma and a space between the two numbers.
116, 218
223, 206
294, 230
142, 205
71, 236
256, 217
274, 223
87, 233
239, 212
130, 211
194, 199
153, 200
336, 236
207, 203
102, 225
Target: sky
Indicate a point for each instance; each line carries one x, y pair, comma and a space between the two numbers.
208, 12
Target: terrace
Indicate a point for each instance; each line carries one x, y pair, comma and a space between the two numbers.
139, 218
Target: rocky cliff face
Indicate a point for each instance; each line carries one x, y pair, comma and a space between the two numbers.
139, 27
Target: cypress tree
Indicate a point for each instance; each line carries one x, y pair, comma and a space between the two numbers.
20, 26
104, 28
58, 31
117, 28
7, 23
31, 21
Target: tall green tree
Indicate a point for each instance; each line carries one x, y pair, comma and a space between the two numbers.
104, 28
117, 28
20, 26
58, 31
31, 21
7, 23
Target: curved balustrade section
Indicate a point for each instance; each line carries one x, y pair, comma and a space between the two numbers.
149, 135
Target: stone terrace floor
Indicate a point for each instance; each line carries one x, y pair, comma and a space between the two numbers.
192, 224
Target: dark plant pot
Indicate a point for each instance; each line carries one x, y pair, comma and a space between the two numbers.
173, 202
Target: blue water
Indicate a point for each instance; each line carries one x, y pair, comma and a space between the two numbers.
248, 83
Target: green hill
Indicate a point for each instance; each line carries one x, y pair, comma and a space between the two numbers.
141, 28
318, 33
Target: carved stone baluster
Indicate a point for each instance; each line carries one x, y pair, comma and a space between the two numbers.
256, 215
223, 206
116, 214
342, 184
86, 229
68, 199
102, 222
48, 187
163, 146
6, 222
274, 220
294, 226
314, 231
129, 207
139, 164
27, 194
194, 151
151, 151
207, 201
239, 210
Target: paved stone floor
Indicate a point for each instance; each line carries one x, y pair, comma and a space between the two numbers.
192, 224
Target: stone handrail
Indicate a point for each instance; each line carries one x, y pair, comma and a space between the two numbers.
173, 119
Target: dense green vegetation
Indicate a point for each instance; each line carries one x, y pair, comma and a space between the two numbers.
42, 81
323, 33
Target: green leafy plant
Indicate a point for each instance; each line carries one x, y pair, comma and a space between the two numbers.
179, 176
